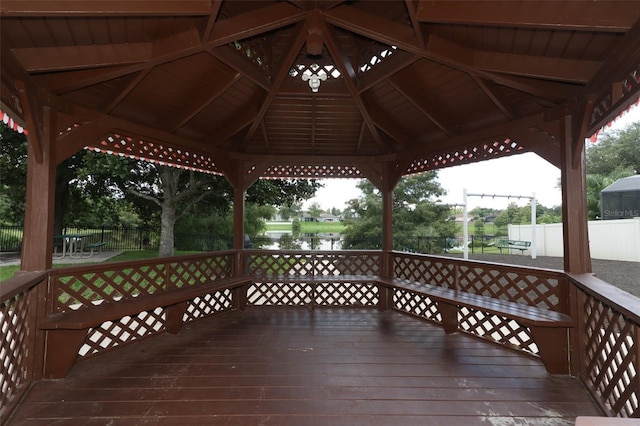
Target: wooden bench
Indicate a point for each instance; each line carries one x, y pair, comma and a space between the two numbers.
67, 331
548, 328
513, 244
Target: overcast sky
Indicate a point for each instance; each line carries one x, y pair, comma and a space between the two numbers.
521, 174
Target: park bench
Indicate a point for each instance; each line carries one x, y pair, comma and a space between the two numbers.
67, 331
513, 244
548, 328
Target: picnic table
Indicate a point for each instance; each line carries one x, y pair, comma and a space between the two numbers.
72, 244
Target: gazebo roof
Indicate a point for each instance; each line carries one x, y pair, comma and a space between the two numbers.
410, 85
628, 184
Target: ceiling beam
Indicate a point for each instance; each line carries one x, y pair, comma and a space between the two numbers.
246, 68
489, 89
398, 61
373, 26
412, 8
154, 53
256, 22
474, 61
556, 69
61, 58
420, 104
71, 8
580, 15
202, 101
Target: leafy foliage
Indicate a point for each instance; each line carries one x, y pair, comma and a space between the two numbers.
615, 156
415, 213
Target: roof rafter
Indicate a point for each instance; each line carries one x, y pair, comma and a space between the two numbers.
105, 8
255, 22
345, 67
491, 92
280, 75
419, 104
611, 16
456, 56
200, 103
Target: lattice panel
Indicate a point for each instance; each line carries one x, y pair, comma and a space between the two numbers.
416, 304
208, 304
312, 171
278, 263
349, 264
112, 334
157, 153
611, 358
629, 86
484, 151
87, 289
496, 329
198, 271
527, 289
14, 327
426, 270
280, 294
373, 55
346, 294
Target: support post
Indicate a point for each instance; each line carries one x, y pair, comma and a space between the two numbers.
533, 227
37, 242
575, 234
465, 226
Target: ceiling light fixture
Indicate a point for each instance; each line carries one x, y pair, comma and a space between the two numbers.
314, 79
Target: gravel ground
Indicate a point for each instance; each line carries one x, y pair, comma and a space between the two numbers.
624, 275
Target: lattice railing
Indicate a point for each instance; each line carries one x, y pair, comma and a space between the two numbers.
84, 287
17, 338
311, 278
528, 286
605, 347
312, 263
544, 289
609, 344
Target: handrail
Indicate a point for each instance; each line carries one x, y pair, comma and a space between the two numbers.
626, 303
19, 283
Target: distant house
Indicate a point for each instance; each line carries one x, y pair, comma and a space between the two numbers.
324, 217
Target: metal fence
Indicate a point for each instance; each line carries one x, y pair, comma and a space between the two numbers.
134, 239
117, 238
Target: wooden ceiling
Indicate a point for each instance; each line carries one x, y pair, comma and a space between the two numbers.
411, 85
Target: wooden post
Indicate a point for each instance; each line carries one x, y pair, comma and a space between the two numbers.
577, 256
37, 242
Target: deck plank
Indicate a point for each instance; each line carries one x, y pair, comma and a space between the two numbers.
314, 367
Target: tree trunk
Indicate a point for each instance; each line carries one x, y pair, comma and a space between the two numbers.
167, 222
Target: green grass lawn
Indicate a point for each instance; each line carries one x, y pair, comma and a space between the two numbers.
309, 227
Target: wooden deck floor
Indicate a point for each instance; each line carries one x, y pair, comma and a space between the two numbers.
296, 366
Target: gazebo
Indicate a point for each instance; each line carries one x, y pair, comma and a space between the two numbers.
621, 199
314, 89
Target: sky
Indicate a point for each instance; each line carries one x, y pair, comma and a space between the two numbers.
518, 175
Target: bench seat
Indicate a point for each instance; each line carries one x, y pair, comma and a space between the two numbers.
67, 331
549, 329
513, 244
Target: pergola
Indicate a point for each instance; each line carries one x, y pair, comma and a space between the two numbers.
315, 89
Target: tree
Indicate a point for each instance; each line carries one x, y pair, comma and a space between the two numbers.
615, 156
315, 210
13, 175
415, 214
616, 151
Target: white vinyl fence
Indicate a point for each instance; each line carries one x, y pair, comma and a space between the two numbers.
608, 239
